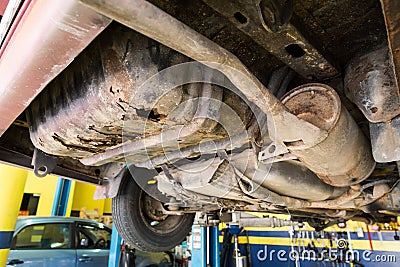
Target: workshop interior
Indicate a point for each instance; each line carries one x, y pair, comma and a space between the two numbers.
199, 133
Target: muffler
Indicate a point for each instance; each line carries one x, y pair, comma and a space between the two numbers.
344, 157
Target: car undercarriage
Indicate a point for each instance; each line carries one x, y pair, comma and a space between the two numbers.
176, 107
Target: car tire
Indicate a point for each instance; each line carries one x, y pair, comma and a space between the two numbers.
135, 227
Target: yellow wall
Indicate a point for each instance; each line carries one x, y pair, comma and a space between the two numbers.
46, 187
81, 194
12, 181
107, 205
83, 197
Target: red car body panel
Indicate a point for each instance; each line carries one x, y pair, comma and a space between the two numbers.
44, 39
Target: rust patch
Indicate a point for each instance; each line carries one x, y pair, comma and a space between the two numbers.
370, 84
314, 104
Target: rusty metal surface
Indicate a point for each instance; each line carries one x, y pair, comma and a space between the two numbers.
223, 182
158, 25
206, 178
344, 27
207, 147
89, 121
86, 109
233, 117
214, 177
56, 32
91, 109
206, 21
286, 177
198, 192
105, 109
168, 140
284, 42
344, 157
315, 103
346, 198
391, 12
388, 204
385, 140
394, 198
370, 84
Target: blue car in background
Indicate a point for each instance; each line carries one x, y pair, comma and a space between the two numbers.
59, 241
66, 241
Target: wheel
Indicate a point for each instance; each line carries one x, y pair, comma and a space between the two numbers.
141, 223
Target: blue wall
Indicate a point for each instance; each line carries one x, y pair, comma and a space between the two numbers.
275, 248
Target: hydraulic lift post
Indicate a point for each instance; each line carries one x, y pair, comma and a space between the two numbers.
115, 248
205, 243
205, 236
60, 202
